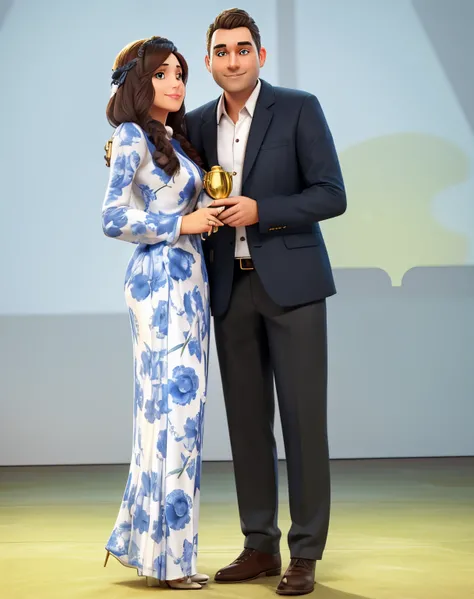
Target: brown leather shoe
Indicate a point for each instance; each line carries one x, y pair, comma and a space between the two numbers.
249, 565
299, 578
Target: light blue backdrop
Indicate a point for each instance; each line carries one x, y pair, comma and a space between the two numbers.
393, 79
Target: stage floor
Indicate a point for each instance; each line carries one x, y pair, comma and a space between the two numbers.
400, 529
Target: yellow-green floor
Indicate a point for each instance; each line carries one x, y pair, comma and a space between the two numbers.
400, 529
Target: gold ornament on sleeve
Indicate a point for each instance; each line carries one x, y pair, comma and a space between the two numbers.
108, 152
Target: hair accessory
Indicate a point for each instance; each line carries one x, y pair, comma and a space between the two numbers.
120, 74
159, 43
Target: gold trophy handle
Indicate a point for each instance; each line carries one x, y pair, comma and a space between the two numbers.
215, 229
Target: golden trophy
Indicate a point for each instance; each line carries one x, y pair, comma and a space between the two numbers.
218, 184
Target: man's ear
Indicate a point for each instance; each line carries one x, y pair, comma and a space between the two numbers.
208, 63
262, 56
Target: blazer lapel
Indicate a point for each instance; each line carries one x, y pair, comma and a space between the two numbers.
260, 122
209, 135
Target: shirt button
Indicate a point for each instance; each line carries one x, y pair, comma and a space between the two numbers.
237, 141
242, 239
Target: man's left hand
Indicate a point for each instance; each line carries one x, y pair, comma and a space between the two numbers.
240, 211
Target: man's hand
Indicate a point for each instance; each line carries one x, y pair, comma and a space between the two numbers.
240, 211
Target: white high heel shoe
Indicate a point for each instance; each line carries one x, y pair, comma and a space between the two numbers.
182, 585
200, 578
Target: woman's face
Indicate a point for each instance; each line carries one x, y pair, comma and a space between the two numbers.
169, 87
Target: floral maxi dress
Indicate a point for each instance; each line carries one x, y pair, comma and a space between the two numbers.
166, 289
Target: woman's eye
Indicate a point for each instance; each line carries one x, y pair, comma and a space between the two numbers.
180, 76
160, 75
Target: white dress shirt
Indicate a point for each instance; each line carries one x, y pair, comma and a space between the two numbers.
231, 146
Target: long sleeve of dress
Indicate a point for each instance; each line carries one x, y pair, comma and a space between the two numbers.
120, 218
204, 200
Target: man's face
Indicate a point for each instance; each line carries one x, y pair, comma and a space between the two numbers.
234, 61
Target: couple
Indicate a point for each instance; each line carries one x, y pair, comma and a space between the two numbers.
266, 274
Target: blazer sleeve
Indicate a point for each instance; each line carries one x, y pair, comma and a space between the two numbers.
324, 195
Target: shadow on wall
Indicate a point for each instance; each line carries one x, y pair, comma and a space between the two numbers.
5, 6
393, 183
400, 361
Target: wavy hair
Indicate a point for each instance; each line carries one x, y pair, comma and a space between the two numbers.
134, 97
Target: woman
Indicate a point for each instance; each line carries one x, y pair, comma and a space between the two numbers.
151, 200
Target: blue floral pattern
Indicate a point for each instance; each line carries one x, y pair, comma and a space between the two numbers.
178, 509
184, 385
166, 289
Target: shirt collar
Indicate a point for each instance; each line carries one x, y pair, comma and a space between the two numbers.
249, 105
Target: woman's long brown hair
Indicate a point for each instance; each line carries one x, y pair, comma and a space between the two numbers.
134, 98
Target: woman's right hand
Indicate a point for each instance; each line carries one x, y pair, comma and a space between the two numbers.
201, 221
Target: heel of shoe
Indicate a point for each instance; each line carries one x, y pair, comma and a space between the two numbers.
107, 555
275, 572
201, 579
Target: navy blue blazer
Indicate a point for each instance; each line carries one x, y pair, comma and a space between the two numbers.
292, 170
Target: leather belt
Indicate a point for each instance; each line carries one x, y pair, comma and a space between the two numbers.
245, 263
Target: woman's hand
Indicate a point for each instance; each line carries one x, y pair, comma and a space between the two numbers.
201, 221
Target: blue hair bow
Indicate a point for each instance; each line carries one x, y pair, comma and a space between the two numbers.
120, 73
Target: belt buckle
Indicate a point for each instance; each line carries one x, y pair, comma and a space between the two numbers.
241, 262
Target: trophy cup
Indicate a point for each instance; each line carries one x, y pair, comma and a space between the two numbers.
218, 184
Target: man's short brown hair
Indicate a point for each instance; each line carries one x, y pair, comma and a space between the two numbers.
231, 19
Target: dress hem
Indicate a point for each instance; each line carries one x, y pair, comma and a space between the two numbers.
143, 572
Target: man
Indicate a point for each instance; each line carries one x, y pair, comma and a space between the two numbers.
269, 277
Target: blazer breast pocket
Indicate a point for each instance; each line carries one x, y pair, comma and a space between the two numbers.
273, 145
301, 240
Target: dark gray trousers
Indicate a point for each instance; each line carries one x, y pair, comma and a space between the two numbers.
256, 341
